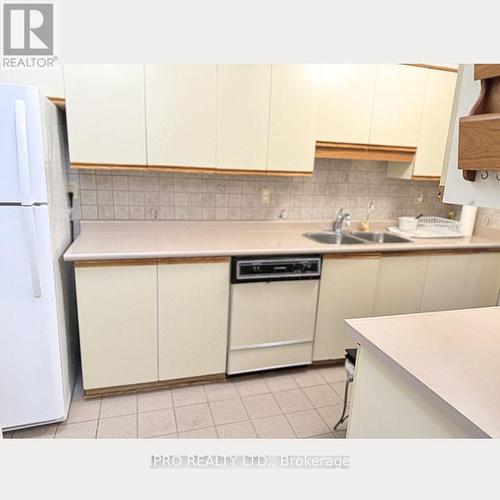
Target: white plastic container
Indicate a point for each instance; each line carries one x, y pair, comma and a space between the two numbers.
407, 224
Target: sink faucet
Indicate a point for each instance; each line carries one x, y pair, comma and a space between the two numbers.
341, 217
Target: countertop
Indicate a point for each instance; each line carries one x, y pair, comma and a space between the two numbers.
109, 240
451, 357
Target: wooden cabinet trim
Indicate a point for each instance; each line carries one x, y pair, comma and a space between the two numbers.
350, 151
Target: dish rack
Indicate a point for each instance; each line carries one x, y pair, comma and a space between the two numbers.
435, 227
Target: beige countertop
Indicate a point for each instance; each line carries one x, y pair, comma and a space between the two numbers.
452, 357
105, 240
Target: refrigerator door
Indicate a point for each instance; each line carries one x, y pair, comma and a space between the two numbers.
22, 172
30, 364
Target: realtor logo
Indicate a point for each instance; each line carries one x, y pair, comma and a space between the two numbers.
28, 29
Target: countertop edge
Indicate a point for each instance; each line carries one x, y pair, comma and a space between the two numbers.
424, 390
69, 256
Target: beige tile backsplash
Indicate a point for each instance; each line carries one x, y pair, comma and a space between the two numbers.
121, 195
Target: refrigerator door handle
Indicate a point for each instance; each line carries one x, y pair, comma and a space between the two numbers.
22, 152
30, 233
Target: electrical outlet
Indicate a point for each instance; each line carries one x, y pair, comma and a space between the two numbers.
265, 196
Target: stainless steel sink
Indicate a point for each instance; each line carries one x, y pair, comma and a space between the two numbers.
334, 238
380, 237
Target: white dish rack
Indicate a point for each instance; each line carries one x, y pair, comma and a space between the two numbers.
434, 227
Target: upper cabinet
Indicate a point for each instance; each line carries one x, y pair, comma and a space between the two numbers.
49, 81
181, 114
105, 114
346, 102
243, 100
397, 108
435, 123
292, 121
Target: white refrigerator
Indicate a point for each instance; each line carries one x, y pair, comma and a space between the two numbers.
37, 319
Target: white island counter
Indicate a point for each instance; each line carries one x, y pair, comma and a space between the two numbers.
427, 375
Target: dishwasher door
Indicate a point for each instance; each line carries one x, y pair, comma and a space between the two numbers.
272, 324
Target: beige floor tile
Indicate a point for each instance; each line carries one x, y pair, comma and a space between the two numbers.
220, 391
322, 395
339, 388
81, 430
228, 411
185, 396
252, 387
340, 434
166, 436
308, 378
307, 423
275, 427
293, 400
155, 400
328, 435
156, 423
207, 433
193, 417
263, 405
84, 410
114, 406
122, 427
333, 374
42, 431
331, 415
238, 430
281, 383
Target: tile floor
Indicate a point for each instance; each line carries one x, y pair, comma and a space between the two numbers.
292, 403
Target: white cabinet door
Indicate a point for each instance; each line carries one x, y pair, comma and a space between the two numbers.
117, 315
292, 126
400, 284
193, 301
346, 99
347, 291
243, 98
181, 114
445, 282
105, 113
397, 109
435, 124
482, 286
49, 81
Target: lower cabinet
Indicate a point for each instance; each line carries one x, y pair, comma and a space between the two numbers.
347, 290
193, 305
483, 281
117, 314
445, 282
400, 283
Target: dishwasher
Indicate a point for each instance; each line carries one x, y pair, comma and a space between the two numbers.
273, 312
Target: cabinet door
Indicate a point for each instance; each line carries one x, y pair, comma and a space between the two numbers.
243, 97
346, 99
397, 109
117, 317
445, 282
181, 114
49, 81
483, 280
347, 291
292, 126
193, 301
435, 124
105, 113
400, 284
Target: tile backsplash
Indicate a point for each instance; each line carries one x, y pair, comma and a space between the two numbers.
488, 218
129, 195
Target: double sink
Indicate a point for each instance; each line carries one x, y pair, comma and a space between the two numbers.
354, 238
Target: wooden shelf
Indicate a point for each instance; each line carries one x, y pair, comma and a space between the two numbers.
347, 151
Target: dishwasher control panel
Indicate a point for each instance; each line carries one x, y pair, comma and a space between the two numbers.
275, 268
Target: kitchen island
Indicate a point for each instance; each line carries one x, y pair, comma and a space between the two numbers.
431, 375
